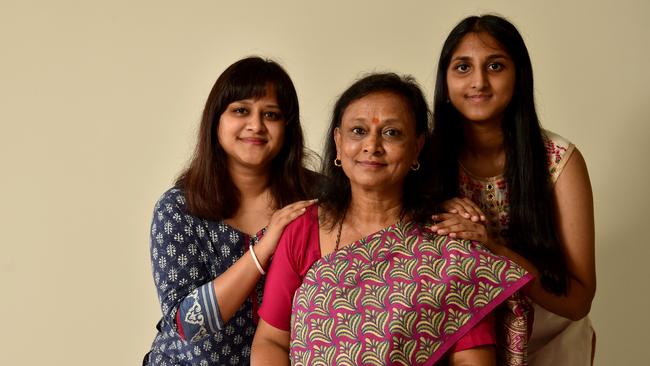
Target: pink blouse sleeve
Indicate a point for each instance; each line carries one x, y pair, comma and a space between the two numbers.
483, 334
297, 250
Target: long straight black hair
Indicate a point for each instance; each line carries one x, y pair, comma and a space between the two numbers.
532, 230
207, 185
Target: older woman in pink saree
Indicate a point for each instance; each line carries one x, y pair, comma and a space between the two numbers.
358, 279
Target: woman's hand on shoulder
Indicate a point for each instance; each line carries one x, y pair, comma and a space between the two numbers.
465, 208
456, 226
282, 217
265, 249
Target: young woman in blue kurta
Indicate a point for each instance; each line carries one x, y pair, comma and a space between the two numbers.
207, 264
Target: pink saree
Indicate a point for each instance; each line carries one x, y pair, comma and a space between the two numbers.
403, 296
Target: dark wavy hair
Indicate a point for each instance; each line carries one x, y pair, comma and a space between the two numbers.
207, 185
532, 228
336, 193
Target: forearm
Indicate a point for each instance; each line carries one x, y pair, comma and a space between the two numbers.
235, 285
575, 305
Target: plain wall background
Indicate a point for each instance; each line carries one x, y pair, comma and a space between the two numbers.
100, 101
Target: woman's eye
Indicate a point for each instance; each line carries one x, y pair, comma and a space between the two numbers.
240, 110
495, 67
358, 131
391, 132
462, 67
273, 116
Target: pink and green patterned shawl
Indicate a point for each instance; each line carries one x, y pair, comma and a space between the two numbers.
403, 296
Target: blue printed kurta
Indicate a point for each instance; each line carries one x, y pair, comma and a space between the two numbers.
186, 253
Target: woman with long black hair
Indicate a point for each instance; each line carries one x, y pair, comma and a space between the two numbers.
494, 162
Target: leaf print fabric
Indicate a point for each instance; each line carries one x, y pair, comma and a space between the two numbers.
400, 296
187, 253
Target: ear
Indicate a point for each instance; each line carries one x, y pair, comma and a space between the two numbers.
337, 140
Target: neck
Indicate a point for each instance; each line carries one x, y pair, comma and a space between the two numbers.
373, 208
251, 183
483, 139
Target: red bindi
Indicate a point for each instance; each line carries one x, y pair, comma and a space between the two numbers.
375, 120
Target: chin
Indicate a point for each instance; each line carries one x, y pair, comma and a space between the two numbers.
372, 184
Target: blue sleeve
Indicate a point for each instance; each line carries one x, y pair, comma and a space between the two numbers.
179, 261
199, 314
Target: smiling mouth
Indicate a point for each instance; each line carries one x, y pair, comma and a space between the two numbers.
253, 140
478, 97
371, 164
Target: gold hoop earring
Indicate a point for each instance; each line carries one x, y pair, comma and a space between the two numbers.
415, 166
337, 162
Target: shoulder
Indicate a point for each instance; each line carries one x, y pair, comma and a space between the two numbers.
173, 197
171, 207
297, 230
558, 152
299, 241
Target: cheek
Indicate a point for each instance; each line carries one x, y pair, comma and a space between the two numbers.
220, 131
507, 90
349, 147
454, 91
452, 83
508, 86
278, 131
402, 153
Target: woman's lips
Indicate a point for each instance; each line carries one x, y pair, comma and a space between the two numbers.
478, 97
254, 140
371, 164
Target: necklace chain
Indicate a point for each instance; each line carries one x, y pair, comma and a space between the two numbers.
338, 234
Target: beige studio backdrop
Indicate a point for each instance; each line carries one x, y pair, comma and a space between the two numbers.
100, 101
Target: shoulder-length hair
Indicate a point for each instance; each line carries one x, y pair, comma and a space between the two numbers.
532, 226
336, 192
207, 185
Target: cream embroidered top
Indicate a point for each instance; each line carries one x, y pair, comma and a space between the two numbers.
555, 340
491, 193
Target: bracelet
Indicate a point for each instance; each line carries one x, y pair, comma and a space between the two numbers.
257, 262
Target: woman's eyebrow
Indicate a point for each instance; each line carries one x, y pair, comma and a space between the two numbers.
490, 57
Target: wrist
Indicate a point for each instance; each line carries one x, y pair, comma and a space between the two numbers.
256, 261
263, 251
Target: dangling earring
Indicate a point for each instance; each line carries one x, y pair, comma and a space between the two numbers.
337, 162
415, 166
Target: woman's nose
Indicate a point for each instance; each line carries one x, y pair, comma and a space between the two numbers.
372, 144
255, 122
479, 79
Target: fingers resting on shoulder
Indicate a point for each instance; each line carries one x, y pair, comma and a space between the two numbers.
456, 226
288, 213
465, 208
